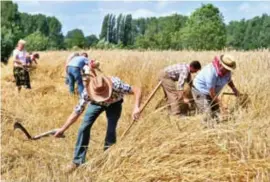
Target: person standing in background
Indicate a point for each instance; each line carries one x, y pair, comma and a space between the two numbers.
20, 70
32, 58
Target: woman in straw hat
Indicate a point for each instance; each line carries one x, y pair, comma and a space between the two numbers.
20, 71
103, 94
209, 82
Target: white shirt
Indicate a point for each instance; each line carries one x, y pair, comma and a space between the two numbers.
19, 55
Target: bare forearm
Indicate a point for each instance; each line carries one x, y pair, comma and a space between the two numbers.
17, 61
71, 119
213, 94
137, 92
232, 86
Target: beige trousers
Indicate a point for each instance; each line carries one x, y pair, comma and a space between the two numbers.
174, 100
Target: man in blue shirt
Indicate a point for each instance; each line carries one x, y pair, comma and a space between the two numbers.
74, 68
210, 81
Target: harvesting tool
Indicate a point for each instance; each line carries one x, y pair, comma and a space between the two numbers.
18, 125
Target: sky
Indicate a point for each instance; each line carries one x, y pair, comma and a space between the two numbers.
88, 15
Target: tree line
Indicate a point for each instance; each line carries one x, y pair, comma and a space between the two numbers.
204, 29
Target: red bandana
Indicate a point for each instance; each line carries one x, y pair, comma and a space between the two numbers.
217, 66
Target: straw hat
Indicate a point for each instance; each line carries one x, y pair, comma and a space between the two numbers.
94, 64
21, 41
228, 62
100, 88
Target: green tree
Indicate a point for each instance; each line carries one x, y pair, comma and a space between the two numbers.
264, 36
75, 38
10, 29
56, 38
236, 34
28, 26
118, 31
37, 42
41, 23
7, 43
121, 33
91, 40
104, 28
205, 29
127, 38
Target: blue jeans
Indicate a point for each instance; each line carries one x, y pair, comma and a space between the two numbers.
113, 113
74, 75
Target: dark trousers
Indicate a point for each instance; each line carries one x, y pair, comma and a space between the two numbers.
22, 77
113, 113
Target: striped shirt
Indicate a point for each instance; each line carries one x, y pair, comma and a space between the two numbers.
180, 73
119, 90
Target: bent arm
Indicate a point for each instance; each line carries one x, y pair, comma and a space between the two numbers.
35, 61
138, 93
232, 86
136, 111
71, 119
214, 96
16, 60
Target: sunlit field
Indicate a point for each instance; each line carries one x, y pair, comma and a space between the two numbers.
158, 147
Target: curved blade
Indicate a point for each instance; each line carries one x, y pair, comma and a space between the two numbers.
20, 126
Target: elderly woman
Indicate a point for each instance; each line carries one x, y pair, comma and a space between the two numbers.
210, 81
20, 70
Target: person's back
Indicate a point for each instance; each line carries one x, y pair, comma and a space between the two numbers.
78, 61
174, 71
74, 69
208, 78
176, 94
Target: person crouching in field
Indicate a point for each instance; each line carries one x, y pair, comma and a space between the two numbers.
20, 70
174, 95
208, 84
74, 69
32, 58
104, 94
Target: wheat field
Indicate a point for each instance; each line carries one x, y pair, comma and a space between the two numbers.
158, 148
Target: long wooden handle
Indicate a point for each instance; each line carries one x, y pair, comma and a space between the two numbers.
228, 93
51, 132
142, 108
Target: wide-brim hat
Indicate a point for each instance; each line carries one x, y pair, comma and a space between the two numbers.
100, 88
228, 62
94, 64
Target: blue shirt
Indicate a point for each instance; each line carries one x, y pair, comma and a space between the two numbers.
208, 78
78, 61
